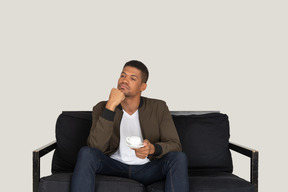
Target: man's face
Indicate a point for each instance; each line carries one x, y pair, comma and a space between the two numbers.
130, 82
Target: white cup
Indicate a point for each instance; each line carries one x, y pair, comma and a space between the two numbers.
133, 140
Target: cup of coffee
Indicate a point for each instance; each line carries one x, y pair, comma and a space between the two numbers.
133, 140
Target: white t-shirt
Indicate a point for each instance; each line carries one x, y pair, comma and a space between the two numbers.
129, 126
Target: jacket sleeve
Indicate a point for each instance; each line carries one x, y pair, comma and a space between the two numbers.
102, 127
169, 139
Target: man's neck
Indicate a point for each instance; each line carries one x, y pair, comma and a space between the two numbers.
130, 104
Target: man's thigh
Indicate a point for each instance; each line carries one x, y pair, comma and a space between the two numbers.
114, 168
92, 158
150, 172
109, 166
157, 169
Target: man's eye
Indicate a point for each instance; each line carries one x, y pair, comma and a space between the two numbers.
133, 79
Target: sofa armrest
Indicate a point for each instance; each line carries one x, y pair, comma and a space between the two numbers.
37, 154
254, 161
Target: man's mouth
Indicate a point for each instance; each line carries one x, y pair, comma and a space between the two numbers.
123, 86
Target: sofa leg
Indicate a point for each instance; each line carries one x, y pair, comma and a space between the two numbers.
36, 171
254, 170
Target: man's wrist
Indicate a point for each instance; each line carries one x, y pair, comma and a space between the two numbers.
108, 114
110, 106
157, 150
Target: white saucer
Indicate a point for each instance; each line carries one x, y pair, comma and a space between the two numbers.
134, 146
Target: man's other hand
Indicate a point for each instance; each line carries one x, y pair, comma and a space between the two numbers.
143, 152
115, 98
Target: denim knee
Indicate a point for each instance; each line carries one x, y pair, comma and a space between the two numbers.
84, 151
87, 153
181, 158
88, 158
178, 157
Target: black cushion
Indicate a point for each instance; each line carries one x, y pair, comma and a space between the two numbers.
61, 183
205, 140
72, 130
210, 181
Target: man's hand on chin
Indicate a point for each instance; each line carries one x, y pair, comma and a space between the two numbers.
143, 152
115, 98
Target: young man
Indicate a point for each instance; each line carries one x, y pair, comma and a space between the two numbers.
125, 114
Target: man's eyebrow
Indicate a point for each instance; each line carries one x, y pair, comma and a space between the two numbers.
131, 75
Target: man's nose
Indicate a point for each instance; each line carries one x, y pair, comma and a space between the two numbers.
125, 80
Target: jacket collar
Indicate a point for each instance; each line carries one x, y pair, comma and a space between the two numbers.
140, 105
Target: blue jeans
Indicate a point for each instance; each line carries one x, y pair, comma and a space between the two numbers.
91, 161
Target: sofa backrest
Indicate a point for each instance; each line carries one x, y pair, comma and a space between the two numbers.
204, 138
72, 130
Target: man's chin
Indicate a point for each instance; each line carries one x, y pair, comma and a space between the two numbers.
127, 95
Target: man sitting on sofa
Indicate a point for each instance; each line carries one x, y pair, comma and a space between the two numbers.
117, 125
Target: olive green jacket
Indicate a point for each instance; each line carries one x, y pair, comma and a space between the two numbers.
156, 125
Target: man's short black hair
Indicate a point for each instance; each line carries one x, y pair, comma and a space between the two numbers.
139, 65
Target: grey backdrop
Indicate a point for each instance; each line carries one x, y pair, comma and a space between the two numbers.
204, 55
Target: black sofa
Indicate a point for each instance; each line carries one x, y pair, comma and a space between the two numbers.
204, 137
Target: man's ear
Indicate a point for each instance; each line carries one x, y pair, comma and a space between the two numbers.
143, 87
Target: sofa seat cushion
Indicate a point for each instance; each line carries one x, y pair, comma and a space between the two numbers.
61, 183
207, 182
